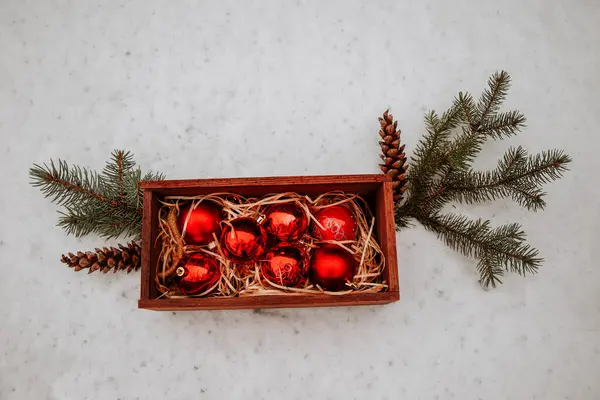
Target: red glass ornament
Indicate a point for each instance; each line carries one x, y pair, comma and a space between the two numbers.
203, 221
243, 240
286, 222
198, 273
286, 265
331, 267
338, 223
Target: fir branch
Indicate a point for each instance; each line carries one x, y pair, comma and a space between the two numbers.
517, 176
77, 224
492, 246
426, 161
464, 148
465, 103
502, 125
115, 170
109, 204
441, 172
490, 270
108, 224
66, 185
493, 97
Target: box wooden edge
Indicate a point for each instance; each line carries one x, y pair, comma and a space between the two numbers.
243, 303
392, 256
266, 181
146, 245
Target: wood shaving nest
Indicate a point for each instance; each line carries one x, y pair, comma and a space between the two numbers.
246, 280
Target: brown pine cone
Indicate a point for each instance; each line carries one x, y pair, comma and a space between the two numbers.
124, 258
393, 156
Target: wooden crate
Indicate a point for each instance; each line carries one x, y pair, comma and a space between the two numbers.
375, 189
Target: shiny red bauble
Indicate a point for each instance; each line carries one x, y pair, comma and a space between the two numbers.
331, 267
286, 222
285, 265
338, 221
243, 240
198, 224
197, 274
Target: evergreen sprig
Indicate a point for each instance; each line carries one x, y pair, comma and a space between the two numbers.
441, 172
108, 203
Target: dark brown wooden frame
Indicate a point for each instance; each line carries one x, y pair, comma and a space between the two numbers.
376, 189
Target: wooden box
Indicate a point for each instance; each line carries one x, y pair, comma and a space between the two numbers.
375, 189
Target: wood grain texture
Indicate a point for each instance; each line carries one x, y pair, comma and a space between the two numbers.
150, 247
384, 214
376, 189
270, 301
265, 181
147, 235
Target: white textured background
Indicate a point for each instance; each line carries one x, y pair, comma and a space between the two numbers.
218, 89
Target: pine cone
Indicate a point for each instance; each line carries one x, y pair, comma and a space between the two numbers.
118, 259
393, 156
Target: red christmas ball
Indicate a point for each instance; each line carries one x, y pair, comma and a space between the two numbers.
197, 225
338, 223
286, 265
331, 267
243, 240
286, 222
198, 273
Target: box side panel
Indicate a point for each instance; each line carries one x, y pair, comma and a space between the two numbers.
386, 230
272, 301
266, 181
146, 248
260, 190
150, 248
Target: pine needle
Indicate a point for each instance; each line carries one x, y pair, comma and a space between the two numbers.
441, 172
108, 204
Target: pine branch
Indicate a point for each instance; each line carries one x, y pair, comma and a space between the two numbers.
109, 204
427, 158
464, 148
490, 270
441, 172
77, 224
517, 176
115, 170
67, 185
106, 223
467, 145
502, 125
493, 97
465, 103
492, 246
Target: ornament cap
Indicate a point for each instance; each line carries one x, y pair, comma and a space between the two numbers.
180, 271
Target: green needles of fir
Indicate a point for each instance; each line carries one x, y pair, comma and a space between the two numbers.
120, 164
441, 172
64, 184
493, 96
108, 204
493, 247
518, 176
502, 125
